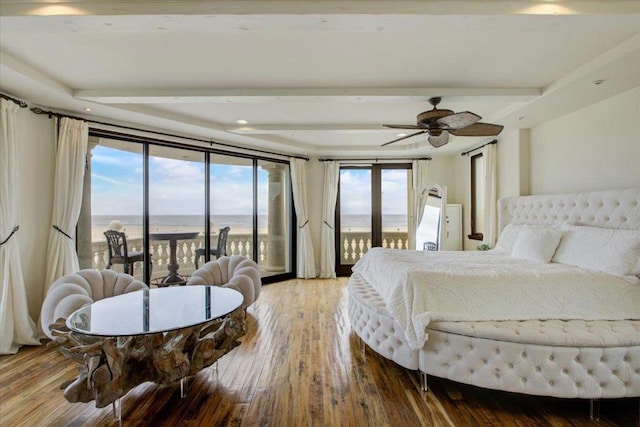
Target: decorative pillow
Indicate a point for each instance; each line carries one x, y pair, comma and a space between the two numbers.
508, 238
537, 244
608, 250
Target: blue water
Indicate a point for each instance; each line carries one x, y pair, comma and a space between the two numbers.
232, 221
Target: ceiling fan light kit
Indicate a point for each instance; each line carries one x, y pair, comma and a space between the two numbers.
439, 123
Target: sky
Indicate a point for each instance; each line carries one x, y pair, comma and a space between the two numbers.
176, 187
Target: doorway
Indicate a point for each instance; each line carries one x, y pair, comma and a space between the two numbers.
371, 211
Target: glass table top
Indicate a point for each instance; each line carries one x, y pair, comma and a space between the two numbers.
154, 310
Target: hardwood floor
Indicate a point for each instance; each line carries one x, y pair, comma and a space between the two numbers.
299, 364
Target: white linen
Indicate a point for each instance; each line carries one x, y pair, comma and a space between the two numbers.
508, 237
306, 262
420, 192
490, 195
608, 250
328, 236
536, 244
16, 326
62, 258
419, 287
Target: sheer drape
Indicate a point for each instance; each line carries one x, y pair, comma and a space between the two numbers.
67, 198
306, 263
328, 235
16, 326
420, 190
490, 194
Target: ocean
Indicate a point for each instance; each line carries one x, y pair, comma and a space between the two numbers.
233, 221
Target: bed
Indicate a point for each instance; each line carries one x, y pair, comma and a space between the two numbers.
581, 341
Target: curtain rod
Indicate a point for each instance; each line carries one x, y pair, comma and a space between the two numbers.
51, 114
495, 141
373, 159
21, 103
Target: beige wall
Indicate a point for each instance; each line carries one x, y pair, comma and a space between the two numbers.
36, 160
591, 149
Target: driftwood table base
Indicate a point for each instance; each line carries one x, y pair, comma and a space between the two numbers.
110, 367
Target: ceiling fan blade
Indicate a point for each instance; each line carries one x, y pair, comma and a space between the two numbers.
404, 137
478, 129
403, 126
440, 140
459, 120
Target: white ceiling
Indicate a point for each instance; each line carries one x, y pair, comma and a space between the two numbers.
317, 77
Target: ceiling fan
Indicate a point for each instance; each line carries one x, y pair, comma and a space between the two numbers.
438, 124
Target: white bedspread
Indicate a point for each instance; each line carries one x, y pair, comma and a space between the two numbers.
422, 286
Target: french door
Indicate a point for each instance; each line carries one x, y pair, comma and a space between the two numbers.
371, 211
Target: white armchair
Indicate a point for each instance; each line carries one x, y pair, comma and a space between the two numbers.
236, 272
71, 292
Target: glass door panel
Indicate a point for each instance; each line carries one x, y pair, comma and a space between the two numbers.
274, 220
355, 215
176, 212
115, 188
395, 185
231, 203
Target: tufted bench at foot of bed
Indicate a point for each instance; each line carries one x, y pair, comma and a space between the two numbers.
568, 359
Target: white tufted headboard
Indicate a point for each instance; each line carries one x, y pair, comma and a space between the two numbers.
607, 209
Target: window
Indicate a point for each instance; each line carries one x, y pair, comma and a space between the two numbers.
159, 190
477, 197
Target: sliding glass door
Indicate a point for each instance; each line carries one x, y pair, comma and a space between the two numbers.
113, 199
274, 218
172, 201
176, 212
371, 211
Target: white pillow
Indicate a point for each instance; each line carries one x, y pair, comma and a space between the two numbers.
608, 250
508, 237
537, 244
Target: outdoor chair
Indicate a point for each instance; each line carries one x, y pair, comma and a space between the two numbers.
119, 254
219, 250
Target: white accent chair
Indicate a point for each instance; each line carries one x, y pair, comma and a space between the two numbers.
71, 292
236, 272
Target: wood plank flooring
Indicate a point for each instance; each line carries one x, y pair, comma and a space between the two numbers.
298, 365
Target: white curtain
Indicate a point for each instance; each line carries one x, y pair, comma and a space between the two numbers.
490, 194
306, 267
328, 235
16, 326
420, 189
67, 198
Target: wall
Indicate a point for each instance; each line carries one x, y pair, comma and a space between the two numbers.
595, 148
36, 160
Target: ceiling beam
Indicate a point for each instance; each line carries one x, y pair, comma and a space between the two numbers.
256, 96
328, 7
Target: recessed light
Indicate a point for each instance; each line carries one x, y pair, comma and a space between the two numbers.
522, 117
401, 135
599, 82
87, 109
242, 122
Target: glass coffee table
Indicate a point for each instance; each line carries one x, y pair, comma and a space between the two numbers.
160, 335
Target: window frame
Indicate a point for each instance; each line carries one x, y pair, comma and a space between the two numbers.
475, 188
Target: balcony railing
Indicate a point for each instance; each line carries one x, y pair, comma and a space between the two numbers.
353, 246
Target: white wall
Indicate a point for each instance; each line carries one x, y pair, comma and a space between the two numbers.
36, 160
595, 148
